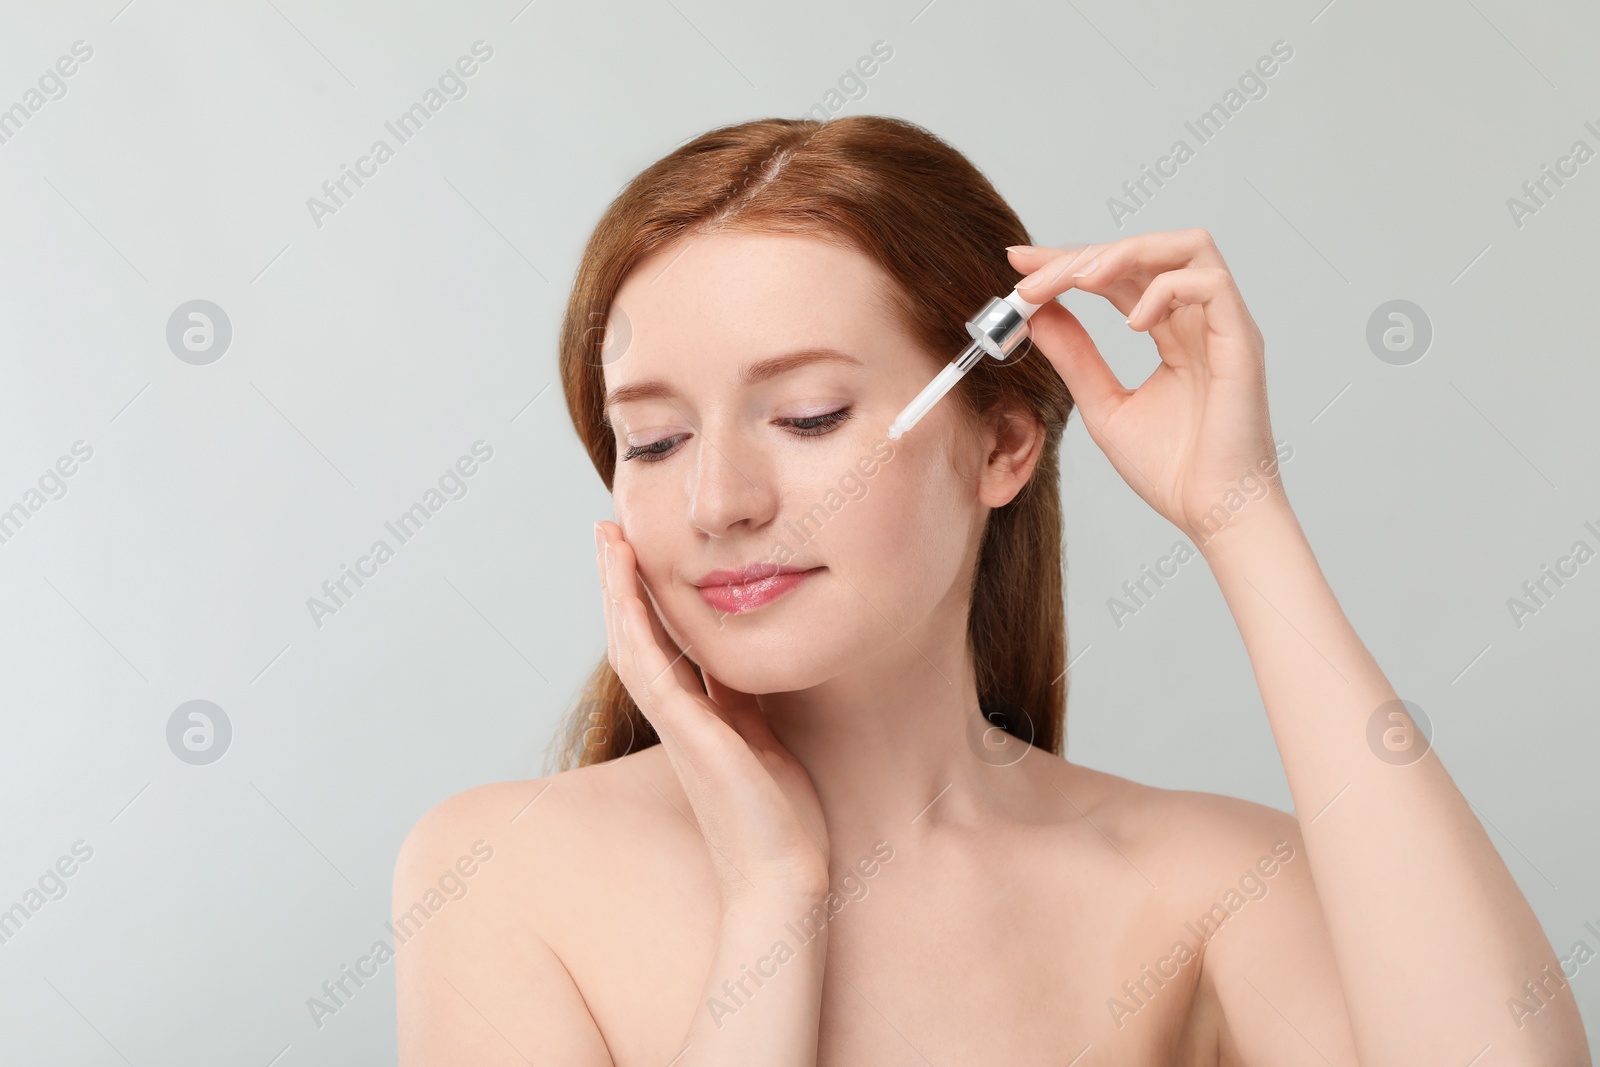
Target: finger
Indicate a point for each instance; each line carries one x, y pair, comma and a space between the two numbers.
602, 557
626, 581
1152, 253
684, 723
1124, 269
619, 647
1211, 287
1067, 345
621, 570
1120, 270
682, 667
1029, 258
649, 643
1049, 269
656, 690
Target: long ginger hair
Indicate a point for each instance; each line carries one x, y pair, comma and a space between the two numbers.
904, 198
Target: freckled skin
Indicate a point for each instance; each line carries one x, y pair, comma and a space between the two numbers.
1032, 909
1022, 899
898, 545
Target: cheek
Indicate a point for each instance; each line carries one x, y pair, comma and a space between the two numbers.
648, 528
901, 537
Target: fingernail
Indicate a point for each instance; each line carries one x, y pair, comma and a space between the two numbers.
599, 537
1033, 279
1088, 268
1021, 248
607, 547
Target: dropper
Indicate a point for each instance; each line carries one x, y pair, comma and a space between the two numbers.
998, 329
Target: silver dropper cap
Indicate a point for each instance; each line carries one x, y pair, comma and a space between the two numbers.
1000, 327
997, 330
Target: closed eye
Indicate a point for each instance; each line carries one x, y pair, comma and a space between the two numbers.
810, 426
816, 425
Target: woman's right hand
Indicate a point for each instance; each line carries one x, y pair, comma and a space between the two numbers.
755, 803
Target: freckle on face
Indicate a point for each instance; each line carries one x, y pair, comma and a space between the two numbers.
743, 490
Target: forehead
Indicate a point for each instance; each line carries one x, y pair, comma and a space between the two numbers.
752, 294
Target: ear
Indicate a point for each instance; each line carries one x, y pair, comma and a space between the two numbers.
1013, 440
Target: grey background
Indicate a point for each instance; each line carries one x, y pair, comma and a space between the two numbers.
369, 353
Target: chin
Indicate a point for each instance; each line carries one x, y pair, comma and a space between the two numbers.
755, 672
776, 660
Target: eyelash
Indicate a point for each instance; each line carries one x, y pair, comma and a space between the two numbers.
818, 425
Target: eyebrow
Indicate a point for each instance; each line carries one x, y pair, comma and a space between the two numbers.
750, 374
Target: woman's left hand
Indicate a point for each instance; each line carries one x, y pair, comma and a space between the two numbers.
1197, 429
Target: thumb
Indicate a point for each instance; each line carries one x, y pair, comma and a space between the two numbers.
1067, 345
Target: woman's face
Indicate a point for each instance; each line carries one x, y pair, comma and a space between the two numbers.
790, 466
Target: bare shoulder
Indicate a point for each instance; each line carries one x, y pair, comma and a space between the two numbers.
1238, 876
1201, 836
538, 824
483, 885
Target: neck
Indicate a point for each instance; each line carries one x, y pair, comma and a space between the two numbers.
894, 746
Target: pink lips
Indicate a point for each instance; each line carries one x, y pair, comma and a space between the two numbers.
736, 592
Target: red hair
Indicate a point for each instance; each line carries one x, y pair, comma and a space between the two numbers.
911, 203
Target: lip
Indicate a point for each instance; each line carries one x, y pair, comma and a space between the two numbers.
748, 588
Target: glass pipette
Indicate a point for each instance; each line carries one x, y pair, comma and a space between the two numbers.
998, 329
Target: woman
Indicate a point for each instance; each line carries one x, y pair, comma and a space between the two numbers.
790, 833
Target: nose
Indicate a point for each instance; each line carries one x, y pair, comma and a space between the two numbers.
730, 486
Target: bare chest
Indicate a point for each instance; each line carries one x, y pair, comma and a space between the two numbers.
924, 965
